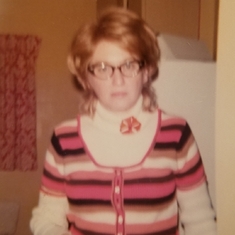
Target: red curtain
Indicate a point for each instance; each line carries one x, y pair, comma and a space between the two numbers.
18, 56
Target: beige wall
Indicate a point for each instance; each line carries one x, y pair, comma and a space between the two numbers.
225, 119
55, 21
102, 4
208, 24
187, 18
179, 17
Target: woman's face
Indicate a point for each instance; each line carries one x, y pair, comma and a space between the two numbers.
117, 93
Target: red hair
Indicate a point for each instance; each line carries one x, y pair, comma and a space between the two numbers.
128, 30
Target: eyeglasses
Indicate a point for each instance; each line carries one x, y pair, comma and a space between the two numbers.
105, 71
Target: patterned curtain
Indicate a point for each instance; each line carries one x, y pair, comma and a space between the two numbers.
18, 56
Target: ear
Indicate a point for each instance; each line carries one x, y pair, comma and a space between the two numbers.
71, 64
72, 68
145, 75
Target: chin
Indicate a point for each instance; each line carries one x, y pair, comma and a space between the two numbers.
121, 109
118, 106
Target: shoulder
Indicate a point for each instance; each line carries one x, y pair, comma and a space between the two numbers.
175, 129
168, 119
66, 127
66, 139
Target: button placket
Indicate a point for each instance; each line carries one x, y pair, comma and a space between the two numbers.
118, 202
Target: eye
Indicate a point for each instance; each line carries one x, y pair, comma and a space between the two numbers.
130, 65
127, 65
100, 68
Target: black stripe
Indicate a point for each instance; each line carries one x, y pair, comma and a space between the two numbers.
139, 202
167, 146
52, 177
150, 201
170, 231
176, 145
89, 202
64, 152
184, 138
89, 182
191, 170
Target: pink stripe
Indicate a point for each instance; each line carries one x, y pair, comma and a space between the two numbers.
90, 175
75, 232
142, 173
190, 164
192, 179
168, 136
53, 185
89, 191
148, 172
52, 170
173, 121
148, 190
71, 143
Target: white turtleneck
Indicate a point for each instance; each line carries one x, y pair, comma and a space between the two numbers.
105, 143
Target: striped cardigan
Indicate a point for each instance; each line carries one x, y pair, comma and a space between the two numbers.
144, 199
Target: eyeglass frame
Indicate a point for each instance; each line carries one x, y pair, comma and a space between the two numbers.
90, 68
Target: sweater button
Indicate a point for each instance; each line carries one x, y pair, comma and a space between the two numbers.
120, 219
117, 189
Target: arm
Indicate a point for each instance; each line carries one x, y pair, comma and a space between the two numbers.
196, 212
49, 217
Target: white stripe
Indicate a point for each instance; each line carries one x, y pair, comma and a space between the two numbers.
98, 217
139, 217
189, 155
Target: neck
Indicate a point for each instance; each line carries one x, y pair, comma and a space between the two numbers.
117, 116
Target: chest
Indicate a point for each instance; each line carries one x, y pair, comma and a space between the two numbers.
150, 182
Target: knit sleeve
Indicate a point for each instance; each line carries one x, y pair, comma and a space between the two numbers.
49, 217
196, 212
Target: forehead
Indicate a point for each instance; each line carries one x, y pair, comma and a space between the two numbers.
110, 52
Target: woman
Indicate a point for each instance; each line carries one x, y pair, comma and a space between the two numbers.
122, 166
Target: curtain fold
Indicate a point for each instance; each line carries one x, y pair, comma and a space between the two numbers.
18, 54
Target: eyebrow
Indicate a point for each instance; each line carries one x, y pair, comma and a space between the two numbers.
102, 61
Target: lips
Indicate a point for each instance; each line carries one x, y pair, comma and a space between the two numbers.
118, 94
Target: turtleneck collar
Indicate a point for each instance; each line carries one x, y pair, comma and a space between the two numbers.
117, 117
107, 120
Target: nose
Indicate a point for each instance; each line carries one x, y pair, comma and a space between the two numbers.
117, 77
